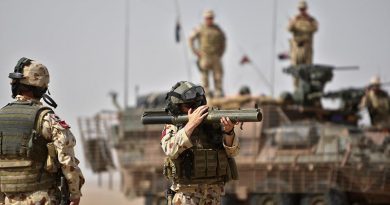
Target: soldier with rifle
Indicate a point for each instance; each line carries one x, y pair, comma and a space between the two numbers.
36, 146
378, 104
200, 156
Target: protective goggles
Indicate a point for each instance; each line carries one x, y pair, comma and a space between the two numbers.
190, 94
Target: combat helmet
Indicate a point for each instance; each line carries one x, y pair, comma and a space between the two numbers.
244, 90
184, 92
208, 13
302, 4
31, 75
375, 80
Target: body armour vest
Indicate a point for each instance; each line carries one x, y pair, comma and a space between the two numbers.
23, 150
212, 40
204, 163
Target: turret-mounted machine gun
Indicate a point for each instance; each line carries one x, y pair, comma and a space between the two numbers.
350, 98
311, 81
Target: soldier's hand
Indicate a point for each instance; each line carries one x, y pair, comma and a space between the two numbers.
227, 124
195, 117
75, 201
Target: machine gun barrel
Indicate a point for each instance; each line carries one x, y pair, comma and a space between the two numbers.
214, 116
346, 68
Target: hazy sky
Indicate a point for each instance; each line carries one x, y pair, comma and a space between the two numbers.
82, 44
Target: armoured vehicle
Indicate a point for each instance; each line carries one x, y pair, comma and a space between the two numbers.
301, 153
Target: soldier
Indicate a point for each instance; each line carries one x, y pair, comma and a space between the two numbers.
212, 43
200, 156
37, 146
302, 27
378, 104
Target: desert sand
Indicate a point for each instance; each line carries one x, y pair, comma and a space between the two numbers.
93, 194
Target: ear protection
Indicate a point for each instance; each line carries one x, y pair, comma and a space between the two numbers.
18, 71
16, 86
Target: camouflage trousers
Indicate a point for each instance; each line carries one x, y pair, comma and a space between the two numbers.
301, 54
41, 197
211, 64
203, 195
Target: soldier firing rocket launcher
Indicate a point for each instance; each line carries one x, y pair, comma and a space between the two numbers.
214, 116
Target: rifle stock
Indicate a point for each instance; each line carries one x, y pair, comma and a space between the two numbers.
214, 116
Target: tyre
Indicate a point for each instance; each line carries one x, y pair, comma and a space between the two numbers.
331, 197
272, 199
149, 198
313, 199
229, 199
336, 197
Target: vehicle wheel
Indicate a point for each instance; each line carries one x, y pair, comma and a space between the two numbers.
314, 199
229, 199
335, 197
149, 199
272, 199
332, 197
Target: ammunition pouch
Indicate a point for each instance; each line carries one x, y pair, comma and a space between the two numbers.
169, 170
198, 166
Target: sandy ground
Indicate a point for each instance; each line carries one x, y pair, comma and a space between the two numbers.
93, 194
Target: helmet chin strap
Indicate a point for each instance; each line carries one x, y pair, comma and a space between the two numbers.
49, 100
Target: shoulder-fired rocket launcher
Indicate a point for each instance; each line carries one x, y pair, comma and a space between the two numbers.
214, 116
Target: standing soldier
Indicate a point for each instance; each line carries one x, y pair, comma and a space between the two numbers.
200, 156
211, 46
378, 104
302, 27
37, 146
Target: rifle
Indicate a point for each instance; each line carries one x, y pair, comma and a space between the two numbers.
65, 196
214, 116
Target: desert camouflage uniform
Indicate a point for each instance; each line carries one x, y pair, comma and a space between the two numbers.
173, 143
302, 28
378, 104
57, 131
301, 45
212, 42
